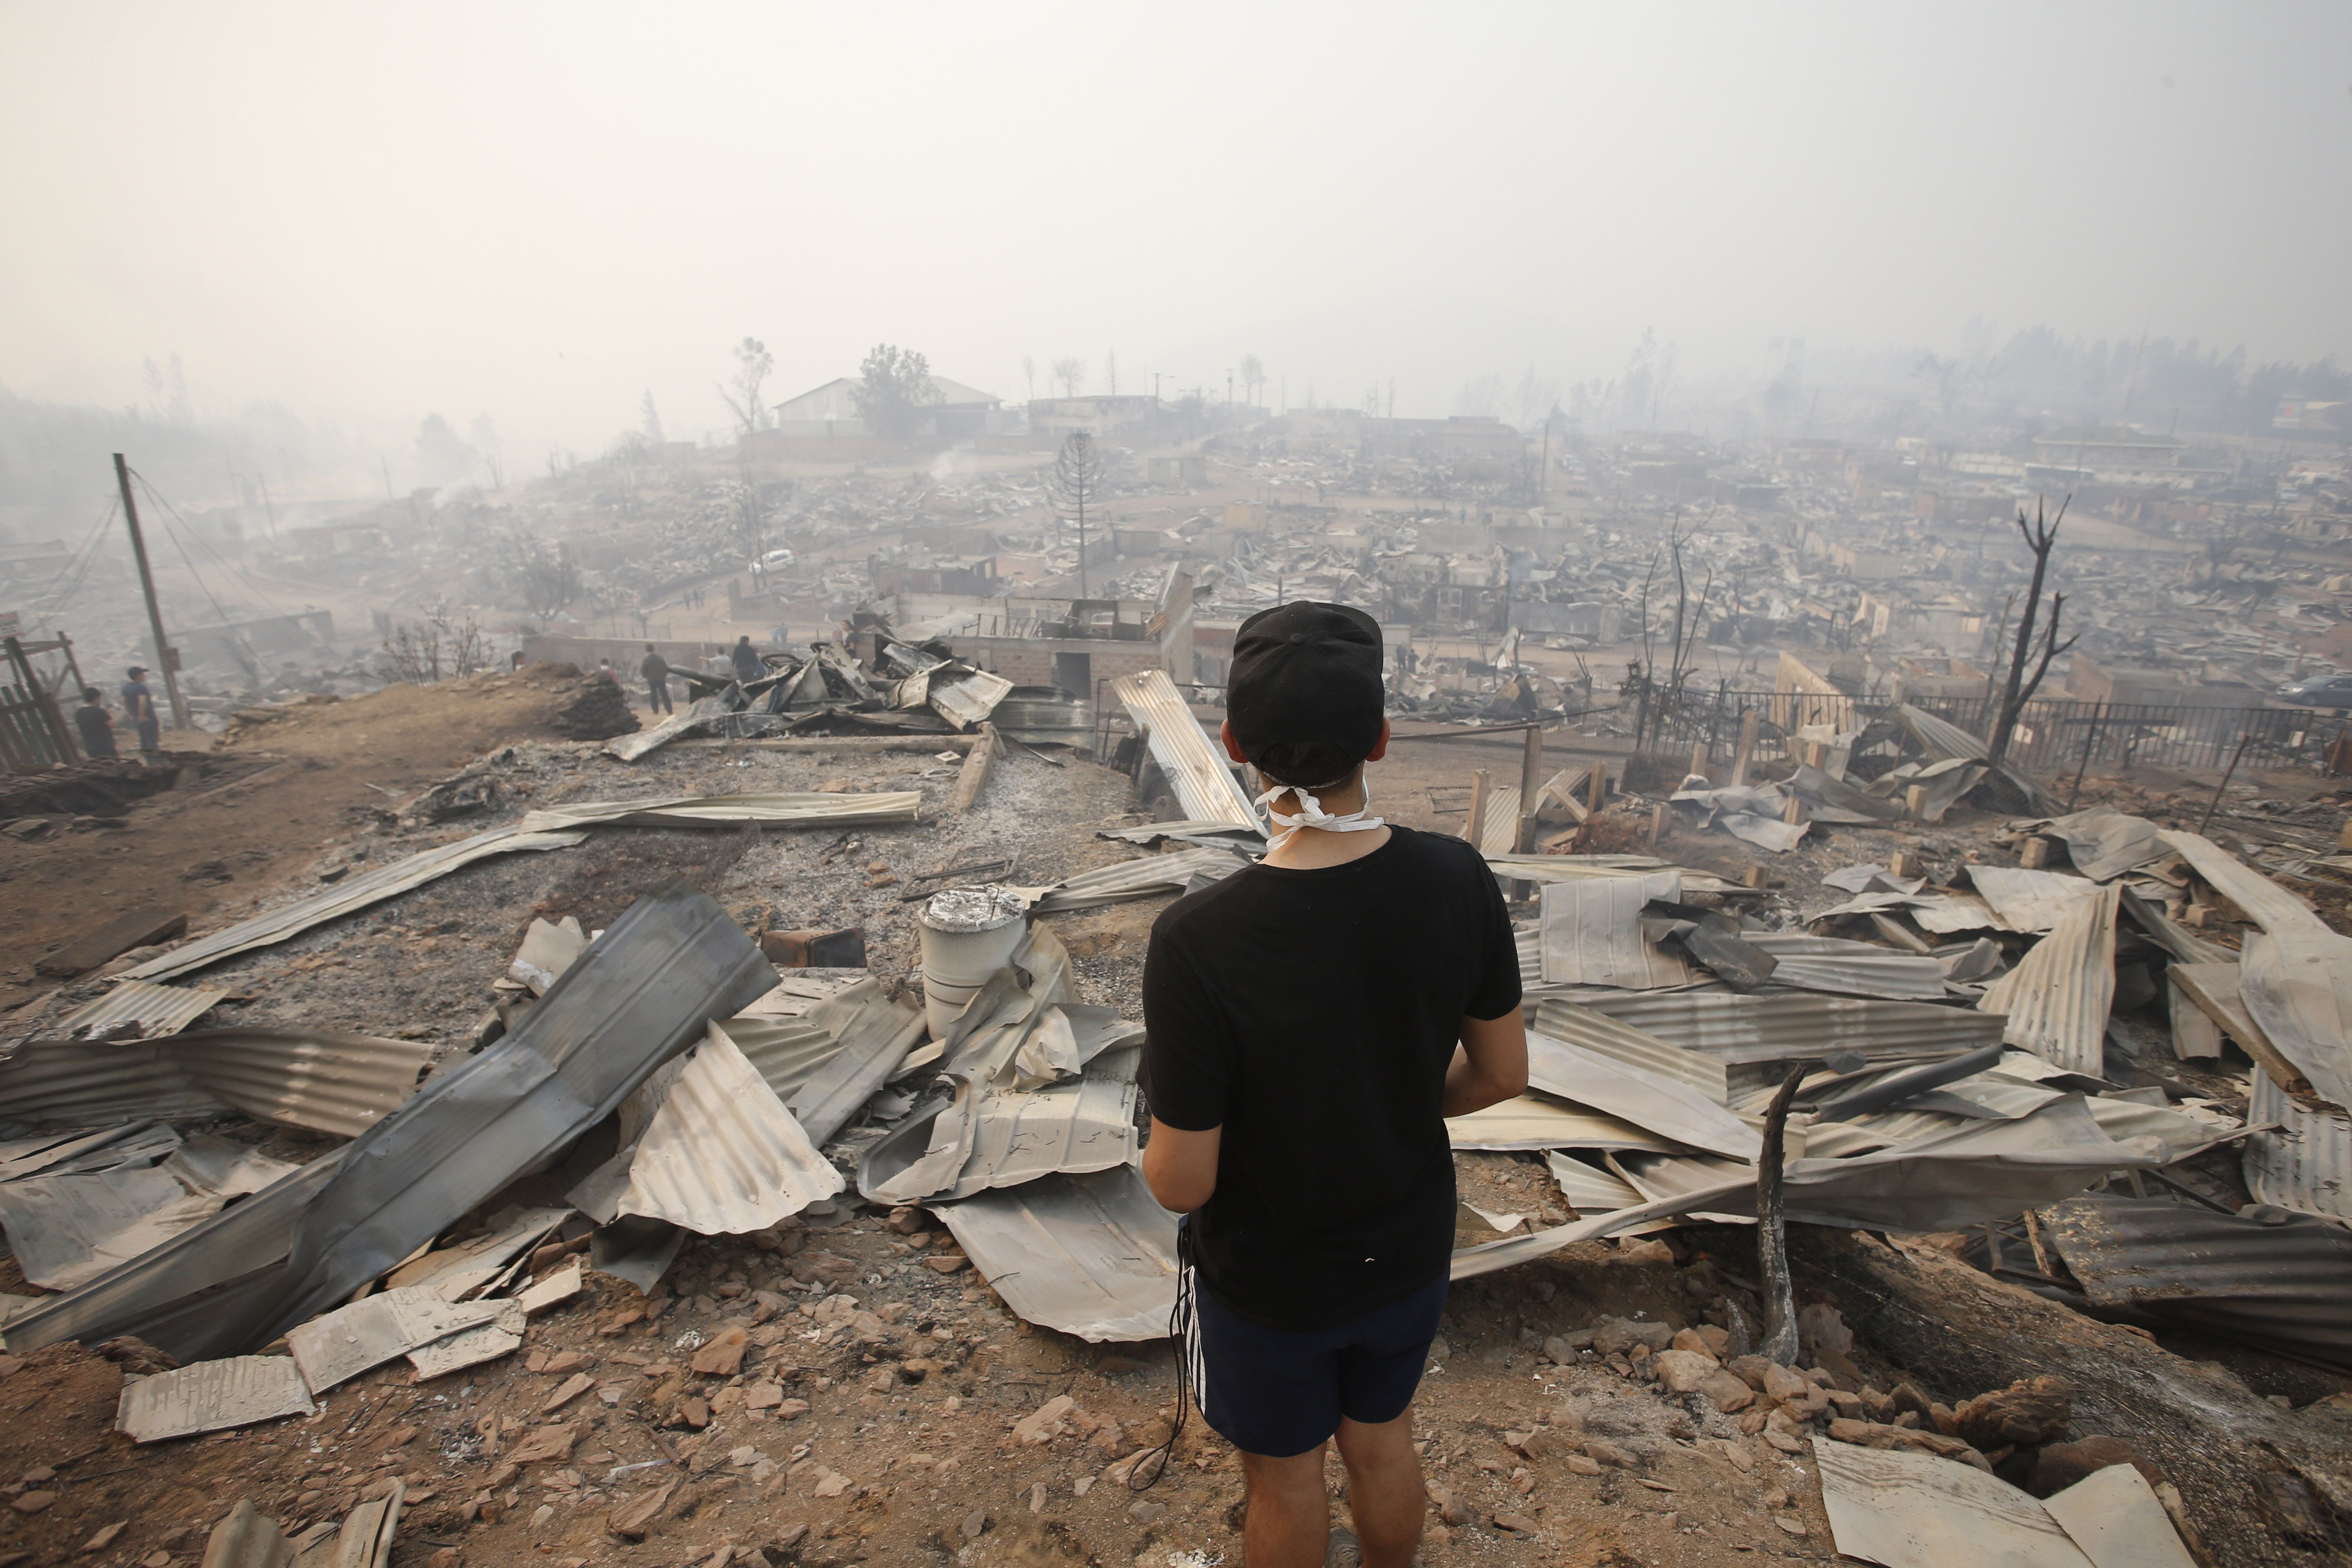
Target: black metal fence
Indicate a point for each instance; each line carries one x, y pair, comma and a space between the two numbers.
2054, 735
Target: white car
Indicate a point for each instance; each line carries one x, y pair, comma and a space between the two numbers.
776, 560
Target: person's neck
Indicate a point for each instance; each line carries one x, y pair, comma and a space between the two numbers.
1313, 848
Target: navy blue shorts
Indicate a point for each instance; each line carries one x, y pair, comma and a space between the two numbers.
1277, 1393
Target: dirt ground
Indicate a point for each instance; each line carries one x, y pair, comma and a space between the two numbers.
258, 807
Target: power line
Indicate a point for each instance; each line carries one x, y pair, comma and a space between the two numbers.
87, 555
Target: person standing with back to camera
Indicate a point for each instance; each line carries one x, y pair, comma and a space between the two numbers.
1311, 1021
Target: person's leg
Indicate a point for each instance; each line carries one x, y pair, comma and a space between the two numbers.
1289, 1521
1385, 1494
1379, 1371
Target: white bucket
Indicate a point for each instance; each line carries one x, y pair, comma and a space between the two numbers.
967, 934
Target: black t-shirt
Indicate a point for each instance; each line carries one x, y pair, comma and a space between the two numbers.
1312, 1013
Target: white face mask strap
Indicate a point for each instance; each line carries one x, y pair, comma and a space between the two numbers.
1312, 814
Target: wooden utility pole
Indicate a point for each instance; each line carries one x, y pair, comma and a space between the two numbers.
166, 656
1530, 787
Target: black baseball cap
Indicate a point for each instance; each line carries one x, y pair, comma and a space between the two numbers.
1304, 694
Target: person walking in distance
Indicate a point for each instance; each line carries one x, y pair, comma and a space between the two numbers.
1311, 1021
655, 669
748, 664
138, 707
96, 724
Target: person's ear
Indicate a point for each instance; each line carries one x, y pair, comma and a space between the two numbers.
1233, 746
1380, 747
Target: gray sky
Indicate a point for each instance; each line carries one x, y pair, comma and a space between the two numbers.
540, 211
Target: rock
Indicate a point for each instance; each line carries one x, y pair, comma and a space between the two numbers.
1516, 1524
1690, 1339
1808, 1404
572, 1388
1795, 1527
632, 1521
105, 1537
906, 1221
565, 1362
447, 1557
1542, 1443
1727, 1394
2060, 1464
1453, 1510
694, 1411
1687, 1371
791, 1409
1781, 1384
2032, 1410
1908, 1395
956, 1264
1874, 1435
974, 1524
1782, 1441
32, 1503
1584, 1465
1045, 1423
823, 1268
542, 1443
1147, 1512
1820, 1327
1641, 1249
1615, 1336
723, 1356
1601, 1450
1749, 1369
1559, 1352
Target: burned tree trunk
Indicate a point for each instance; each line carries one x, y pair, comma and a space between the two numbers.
1779, 1344
2041, 538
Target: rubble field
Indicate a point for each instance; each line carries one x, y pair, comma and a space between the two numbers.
755, 1303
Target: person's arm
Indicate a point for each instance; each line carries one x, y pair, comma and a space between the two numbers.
1489, 1067
1181, 1167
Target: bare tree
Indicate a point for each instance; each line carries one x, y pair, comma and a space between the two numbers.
434, 649
547, 577
752, 363
2041, 538
1029, 374
1072, 373
1253, 377
1078, 485
649, 419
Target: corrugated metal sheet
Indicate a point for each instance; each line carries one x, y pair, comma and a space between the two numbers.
154, 1009
2307, 1164
1527, 940
1531, 1122
1148, 876
1791, 1024
1849, 968
345, 898
635, 997
2297, 972
2028, 900
1580, 868
1499, 829
630, 747
722, 1155
1619, 1041
1085, 1124
341, 1084
1589, 1190
964, 698
782, 809
2282, 1279
1672, 1110
2055, 1001
1193, 764
827, 1061
2104, 843
1592, 933
1092, 1255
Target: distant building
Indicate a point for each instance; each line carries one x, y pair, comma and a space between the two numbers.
831, 410
2090, 681
1104, 416
2113, 454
